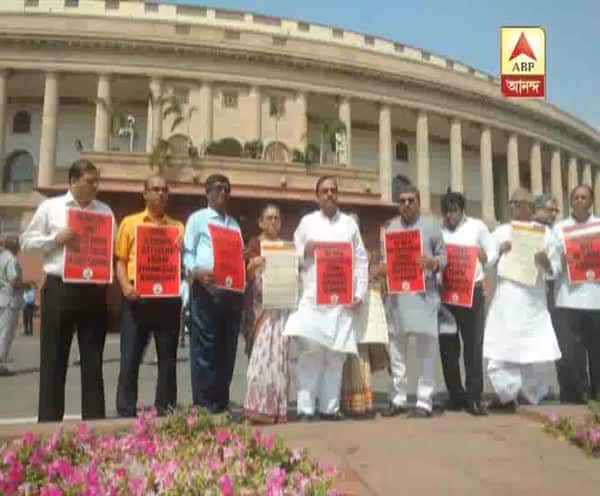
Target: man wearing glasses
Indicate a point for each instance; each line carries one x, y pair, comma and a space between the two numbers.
142, 316
518, 336
415, 314
580, 305
215, 313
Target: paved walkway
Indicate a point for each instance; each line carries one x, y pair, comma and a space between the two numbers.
451, 454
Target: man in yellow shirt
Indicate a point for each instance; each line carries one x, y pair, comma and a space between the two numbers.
143, 316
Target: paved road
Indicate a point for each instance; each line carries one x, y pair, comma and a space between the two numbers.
19, 393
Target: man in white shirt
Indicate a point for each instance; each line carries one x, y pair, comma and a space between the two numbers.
580, 303
458, 229
518, 336
68, 306
323, 335
11, 298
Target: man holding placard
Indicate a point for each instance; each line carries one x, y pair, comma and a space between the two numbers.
519, 336
470, 248
334, 270
214, 259
414, 254
149, 273
578, 288
75, 232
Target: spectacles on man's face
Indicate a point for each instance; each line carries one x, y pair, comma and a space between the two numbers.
159, 189
221, 188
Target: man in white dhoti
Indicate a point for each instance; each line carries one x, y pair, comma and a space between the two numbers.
518, 336
415, 314
323, 335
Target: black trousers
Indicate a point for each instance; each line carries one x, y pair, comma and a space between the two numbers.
140, 319
28, 318
470, 323
67, 307
579, 341
215, 325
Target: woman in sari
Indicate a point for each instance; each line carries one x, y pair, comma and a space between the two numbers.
267, 374
372, 337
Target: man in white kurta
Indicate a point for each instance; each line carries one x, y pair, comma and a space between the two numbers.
519, 337
580, 305
324, 335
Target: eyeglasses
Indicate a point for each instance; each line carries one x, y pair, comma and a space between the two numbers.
220, 188
324, 191
158, 189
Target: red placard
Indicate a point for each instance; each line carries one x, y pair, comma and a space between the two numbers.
402, 250
335, 273
229, 267
458, 279
157, 261
90, 257
582, 249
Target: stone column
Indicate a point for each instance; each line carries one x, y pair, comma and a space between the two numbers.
487, 177
556, 179
302, 132
572, 178
345, 115
423, 161
456, 157
512, 163
157, 110
256, 113
49, 130
597, 190
535, 162
385, 152
206, 113
586, 177
103, 117
3, 108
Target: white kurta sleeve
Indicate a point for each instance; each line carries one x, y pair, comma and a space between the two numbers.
552, 247
37, 235
361, 267
489, 245
300, 239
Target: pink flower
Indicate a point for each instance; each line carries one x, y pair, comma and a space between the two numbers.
16, 473
330, 470
268, 442
222, 436
226, 485
276, 481
28, 439
51, 490
553, 418
594, 435
580, 434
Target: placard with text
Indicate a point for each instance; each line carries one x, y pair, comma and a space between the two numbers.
89, 258
458, 278
157, 261
335, 273
582, 250
403, 250
228, 254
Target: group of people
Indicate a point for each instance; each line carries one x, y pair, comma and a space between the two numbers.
330, 350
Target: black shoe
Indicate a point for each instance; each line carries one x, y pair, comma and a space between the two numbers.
498, 407
456, 405
476, 408
303, 417
393, 410
332, 417
419, 412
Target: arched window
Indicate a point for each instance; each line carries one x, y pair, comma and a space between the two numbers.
277, 152
22, 122
18, 173
227, 147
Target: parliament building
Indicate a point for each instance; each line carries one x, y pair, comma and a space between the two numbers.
139, 86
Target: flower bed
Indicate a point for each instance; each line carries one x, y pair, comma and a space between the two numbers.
585, 434
187, 453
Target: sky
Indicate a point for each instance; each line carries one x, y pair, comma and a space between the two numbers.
469, 32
